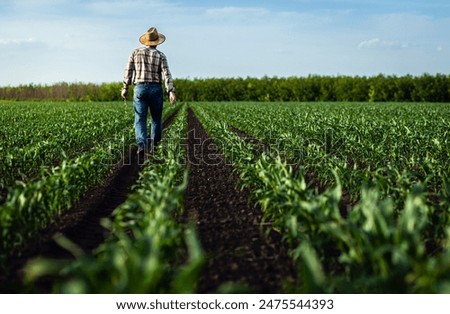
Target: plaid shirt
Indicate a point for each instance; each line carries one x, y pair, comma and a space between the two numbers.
148, 65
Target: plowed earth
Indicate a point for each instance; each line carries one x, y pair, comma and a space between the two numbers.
229, 227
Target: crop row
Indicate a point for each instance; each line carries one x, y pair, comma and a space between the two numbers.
360, 193
32, 205
36, 136
391, 147
146, 245
388, 146
380, 245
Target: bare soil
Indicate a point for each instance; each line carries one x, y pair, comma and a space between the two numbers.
229, 227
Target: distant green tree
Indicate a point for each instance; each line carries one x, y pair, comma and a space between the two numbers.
432, 88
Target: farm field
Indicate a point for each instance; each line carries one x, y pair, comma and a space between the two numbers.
240, 197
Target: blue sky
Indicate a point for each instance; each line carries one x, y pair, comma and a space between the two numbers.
48, 41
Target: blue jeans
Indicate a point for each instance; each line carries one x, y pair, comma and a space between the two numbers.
148, 95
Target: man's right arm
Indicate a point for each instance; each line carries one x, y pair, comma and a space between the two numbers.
128, 76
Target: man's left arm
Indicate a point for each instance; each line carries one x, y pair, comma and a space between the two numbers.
168, 81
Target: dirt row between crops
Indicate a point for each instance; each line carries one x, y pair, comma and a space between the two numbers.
80, 224
230, 231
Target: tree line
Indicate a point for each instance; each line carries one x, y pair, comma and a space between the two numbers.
408, 88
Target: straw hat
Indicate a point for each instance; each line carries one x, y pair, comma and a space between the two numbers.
152, 37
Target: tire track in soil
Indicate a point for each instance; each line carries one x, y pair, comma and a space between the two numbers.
81, 224
229, 227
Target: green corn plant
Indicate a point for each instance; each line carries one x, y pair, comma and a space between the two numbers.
143, 252
56, 162
380, 245
30, 207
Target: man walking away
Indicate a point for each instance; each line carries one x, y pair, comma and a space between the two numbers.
148, 67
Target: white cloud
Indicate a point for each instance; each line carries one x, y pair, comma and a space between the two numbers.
375, 43
234, 11
18, 41
139, 8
